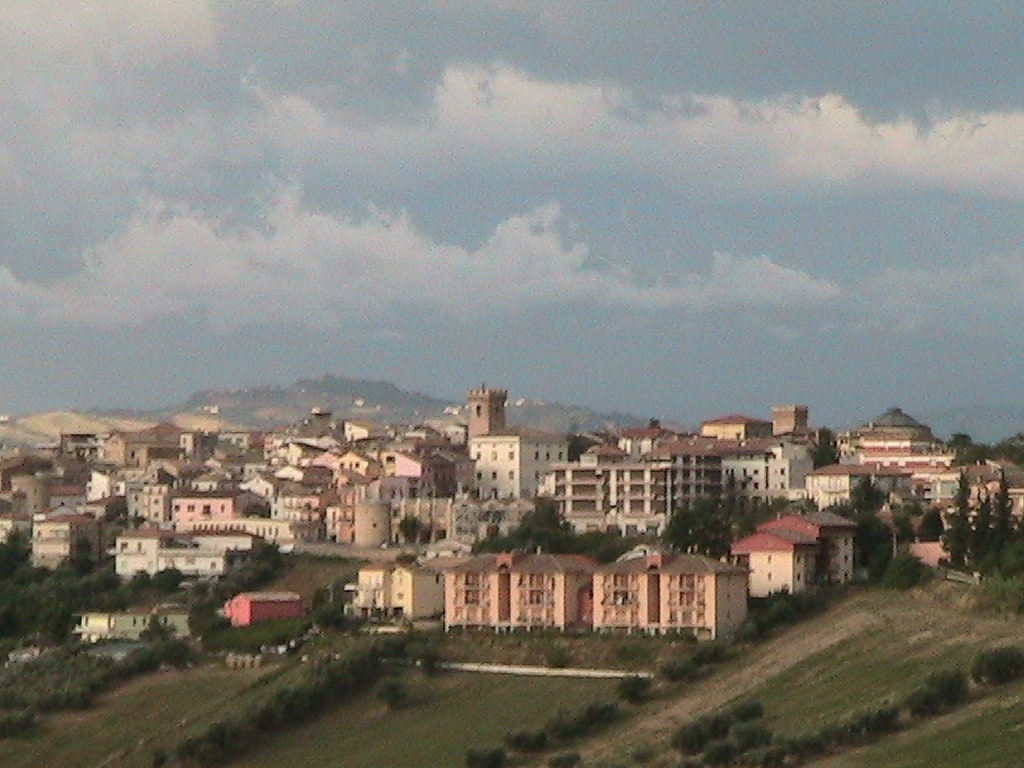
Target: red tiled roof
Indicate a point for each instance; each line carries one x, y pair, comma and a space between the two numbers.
737, 418
671, 562
781, 540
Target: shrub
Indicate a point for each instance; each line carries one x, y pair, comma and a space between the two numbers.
862, 725
567, 725
746, 710
565, 760
527, 741
804, 745
710, 653
634, 689
642, 755
691, 738
720, 752
940, 690
392, 693
998, 665
749, 735
923, 702
559, 657
678, 670
487, 757
904, 571
16, 723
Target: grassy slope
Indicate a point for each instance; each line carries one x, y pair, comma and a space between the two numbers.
874, 645
449, 714
871, 646
125, 726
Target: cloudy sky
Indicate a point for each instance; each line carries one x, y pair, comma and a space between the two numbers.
670, 209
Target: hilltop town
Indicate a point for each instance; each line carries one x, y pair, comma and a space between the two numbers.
471, 523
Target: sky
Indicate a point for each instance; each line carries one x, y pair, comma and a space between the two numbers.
668, 209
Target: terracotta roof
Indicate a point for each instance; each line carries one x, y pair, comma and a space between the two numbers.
528, 563
270, 597
644, 432
860, 470
781, 540
737, 418
830, 519
670, 562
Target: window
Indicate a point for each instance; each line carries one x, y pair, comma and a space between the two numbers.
494, 475
511, 475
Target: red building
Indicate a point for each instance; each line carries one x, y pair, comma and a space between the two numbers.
248, 607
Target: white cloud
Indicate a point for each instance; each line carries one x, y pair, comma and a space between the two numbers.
498, 115
978, 296
313, 268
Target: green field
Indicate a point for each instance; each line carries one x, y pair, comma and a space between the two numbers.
449, 714
871, 645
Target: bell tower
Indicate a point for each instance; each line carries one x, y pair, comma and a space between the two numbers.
486, 410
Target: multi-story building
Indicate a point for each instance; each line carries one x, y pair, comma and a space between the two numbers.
510, 591
389, 590
603, 491
736, 427
778, 561
660, 593
512, 464
765, 468
794, 552
138, 449
206, 554
834, 484
55, 538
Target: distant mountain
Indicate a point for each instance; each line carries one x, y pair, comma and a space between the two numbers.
265, 407
984, 423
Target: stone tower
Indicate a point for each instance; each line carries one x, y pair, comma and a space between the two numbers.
787, 419
486, 410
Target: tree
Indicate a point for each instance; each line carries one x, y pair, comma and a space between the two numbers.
957, 535
980, 541
931, 527
1002, 515
825, 453
699, 527
14, 553
410, 528
542, 528
866, 497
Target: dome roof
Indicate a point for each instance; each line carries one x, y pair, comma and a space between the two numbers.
894, 417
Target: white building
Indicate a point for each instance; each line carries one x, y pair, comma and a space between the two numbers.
511, 464
205, 554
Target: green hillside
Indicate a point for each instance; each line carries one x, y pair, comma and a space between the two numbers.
870, 646
265, 407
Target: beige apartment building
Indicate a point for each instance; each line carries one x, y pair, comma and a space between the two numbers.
606, 491
387, 590
662, 593
511, 591
54, 538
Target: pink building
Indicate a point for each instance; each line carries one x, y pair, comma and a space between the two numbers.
249, 607
509, 591
199, 506
668, 592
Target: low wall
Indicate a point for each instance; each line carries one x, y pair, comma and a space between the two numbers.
509, 669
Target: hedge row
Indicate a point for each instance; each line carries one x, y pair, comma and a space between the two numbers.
327, 683
16, 723
62, 680
731, 737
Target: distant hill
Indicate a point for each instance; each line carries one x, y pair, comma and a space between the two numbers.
266, 407
984, 423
